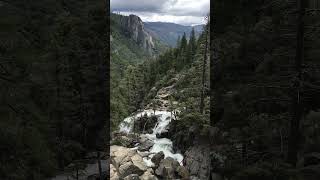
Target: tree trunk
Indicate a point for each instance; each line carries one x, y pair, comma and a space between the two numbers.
296, 100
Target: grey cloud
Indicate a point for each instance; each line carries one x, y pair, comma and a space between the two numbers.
178, 11
138, 5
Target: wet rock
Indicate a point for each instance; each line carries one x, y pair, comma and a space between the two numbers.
156, 159
129, 168
146, 145
145, 124
163, 135
167, 168
132, 177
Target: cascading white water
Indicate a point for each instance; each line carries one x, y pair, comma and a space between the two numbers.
160, 144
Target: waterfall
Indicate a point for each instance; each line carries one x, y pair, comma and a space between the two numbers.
160, 144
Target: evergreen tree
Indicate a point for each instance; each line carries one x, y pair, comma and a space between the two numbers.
192, 46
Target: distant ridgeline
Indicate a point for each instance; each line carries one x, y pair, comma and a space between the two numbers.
170, 32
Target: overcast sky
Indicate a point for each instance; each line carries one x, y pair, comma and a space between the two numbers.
185, 12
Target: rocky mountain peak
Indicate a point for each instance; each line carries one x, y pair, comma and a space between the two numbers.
135, 28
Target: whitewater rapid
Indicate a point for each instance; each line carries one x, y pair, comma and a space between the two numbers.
160, 144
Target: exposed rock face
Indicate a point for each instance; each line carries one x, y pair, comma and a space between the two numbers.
197, 161
170, 169
113, 173
135, 29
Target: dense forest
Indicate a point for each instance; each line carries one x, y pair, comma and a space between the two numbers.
260, 119
53, 85
174, 80
136, 76
241, 97
265, 85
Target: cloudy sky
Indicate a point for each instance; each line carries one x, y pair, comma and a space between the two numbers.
185, 12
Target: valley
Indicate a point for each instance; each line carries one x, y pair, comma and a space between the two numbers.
152, 92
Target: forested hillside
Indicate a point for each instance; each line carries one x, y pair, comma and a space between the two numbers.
53, 85
265, 82
134, 72
175, 86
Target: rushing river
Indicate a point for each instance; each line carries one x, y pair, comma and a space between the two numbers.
160, 144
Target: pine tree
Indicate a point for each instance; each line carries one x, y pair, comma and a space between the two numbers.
192, 46
182, 57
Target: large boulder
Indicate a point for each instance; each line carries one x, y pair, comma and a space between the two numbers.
145, 145
123, 141
120, 155
126, 161
167, 168
113, 173
138, 161
129, 168
157, 158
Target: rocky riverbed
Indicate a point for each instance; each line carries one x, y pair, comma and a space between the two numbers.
142, 150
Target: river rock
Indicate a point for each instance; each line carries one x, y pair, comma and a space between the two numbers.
132, 177
120, 155
138, 161
144, 154
129, 168
167, 168
148, 175
157, 158
146, 145
123, 141
113, 173
127, 161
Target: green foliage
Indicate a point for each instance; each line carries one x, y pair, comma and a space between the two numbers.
52, 84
